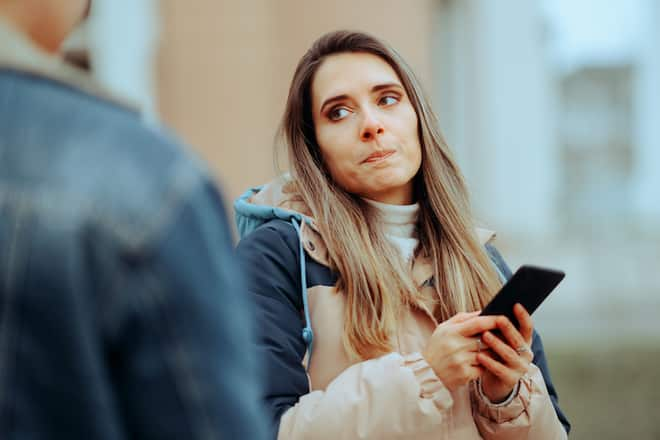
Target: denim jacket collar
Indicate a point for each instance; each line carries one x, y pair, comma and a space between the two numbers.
18, 53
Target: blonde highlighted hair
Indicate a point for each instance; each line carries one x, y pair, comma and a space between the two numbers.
374, 280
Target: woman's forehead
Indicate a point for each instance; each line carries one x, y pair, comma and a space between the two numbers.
346, 73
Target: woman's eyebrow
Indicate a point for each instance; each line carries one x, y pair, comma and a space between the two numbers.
379, 87
376, 88
332, 100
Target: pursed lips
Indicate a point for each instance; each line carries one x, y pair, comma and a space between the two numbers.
378, 155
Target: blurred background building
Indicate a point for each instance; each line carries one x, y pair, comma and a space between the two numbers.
551, 107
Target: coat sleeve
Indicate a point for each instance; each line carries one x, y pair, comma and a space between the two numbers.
390, 397
529, 415
377, 398
535, 410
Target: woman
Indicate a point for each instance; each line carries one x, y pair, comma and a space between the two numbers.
368, 273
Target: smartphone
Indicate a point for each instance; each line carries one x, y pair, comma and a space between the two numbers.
529, 286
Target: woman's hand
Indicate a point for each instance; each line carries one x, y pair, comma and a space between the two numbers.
514, 354
452, 349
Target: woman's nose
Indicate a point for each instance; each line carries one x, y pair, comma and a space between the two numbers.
371, 127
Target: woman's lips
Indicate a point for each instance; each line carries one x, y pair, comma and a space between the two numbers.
378, 156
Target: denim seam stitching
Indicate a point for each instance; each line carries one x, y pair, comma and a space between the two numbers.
10, 333
187, 386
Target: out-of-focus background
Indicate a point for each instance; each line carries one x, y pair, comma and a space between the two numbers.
551, 106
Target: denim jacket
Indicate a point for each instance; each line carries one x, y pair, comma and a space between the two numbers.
121, 310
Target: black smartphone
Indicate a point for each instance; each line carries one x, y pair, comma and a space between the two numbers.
529, 286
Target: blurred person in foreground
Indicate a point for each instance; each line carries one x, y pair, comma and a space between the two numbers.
121, 315
369, 274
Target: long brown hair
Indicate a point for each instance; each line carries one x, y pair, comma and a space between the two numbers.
374, 280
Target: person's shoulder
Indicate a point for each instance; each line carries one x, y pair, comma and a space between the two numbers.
272, 247
270, 258
142, 176
42, 94
273, 236
70, 116
98, 158
145, 190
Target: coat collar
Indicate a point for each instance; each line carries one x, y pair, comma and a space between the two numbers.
19, 53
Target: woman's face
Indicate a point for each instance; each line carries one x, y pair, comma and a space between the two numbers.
366, 127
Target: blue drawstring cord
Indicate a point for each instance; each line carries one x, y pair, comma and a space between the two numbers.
307, 333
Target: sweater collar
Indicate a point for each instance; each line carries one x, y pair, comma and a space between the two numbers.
398, 220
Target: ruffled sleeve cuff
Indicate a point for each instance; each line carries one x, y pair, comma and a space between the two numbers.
510, 409
505, 402
431, 387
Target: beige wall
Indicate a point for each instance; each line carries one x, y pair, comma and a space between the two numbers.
225, 66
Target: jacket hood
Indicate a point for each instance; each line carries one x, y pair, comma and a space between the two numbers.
275, 200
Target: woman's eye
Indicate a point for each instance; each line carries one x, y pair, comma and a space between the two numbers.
337, 113
389, 100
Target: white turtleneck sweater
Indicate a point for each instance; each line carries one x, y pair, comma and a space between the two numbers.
399, 225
